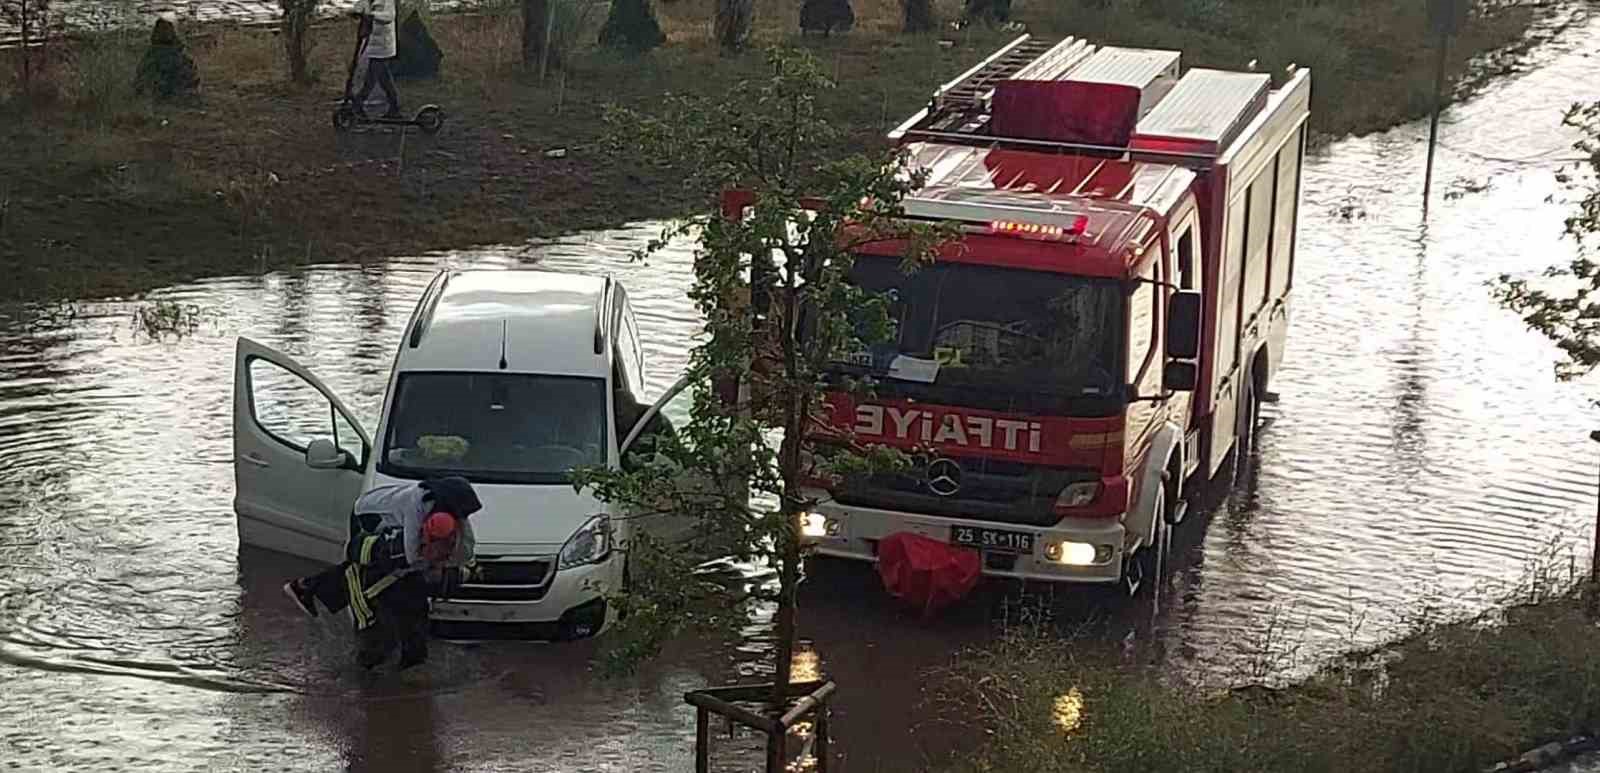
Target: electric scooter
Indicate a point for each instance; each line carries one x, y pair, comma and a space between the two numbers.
429, 118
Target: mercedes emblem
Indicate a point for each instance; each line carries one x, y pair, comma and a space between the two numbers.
944, 477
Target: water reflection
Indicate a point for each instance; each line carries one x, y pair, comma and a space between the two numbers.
1420, 449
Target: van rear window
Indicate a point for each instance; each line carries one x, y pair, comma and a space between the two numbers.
495, 427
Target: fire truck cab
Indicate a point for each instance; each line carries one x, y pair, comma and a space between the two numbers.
1096, 346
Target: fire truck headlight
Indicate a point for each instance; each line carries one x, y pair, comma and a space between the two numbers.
1078, 494
1077, 553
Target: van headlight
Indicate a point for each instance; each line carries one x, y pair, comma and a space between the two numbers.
590, 544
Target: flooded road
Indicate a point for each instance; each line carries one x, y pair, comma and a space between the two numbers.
1421, 455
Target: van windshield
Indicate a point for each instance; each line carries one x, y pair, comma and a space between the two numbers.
495, 427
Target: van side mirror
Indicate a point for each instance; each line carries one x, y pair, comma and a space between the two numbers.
322, 454
1180, 377
1183, 325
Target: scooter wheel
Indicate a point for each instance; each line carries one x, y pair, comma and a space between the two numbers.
430, 119
343, 118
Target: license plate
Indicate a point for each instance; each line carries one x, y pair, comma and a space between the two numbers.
992, 539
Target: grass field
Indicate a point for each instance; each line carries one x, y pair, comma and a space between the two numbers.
1450, 697
105, 194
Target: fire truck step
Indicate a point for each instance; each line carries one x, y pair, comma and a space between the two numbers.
1269, 397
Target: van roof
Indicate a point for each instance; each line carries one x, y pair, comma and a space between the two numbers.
540, 321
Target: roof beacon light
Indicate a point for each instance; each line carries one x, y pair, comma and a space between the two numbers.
1041, 232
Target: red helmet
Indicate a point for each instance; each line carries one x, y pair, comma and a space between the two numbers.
438, 536
439, 525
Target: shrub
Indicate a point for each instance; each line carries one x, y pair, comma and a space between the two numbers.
826, 16
631, 26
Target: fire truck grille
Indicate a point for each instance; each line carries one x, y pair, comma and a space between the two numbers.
987, 490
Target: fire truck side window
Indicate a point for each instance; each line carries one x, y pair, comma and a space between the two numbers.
1141, 333
1186, 273
1228, 289
1258, 226
1288, 201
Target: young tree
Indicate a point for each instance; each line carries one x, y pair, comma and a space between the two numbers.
297, 18
1565, 307
771, 280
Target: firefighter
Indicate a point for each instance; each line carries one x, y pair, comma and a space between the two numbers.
407, 542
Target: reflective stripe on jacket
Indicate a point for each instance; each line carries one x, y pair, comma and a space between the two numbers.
377, 561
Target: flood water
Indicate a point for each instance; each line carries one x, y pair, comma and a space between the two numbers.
1421, 456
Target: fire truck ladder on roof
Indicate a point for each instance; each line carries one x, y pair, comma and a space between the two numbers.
958, 113
971, 90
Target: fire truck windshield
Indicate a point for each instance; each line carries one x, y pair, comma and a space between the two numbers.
962, 326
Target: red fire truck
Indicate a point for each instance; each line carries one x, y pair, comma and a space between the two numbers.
1095, 349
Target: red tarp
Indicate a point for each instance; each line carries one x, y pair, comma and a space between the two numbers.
926, 573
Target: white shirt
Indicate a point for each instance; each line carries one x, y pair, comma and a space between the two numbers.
380, 45
401, 505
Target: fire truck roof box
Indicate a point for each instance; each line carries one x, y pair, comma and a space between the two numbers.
1203, 113
1152, 71
1065, 111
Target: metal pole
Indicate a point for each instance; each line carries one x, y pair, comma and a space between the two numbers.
702, 741
1433, 123
1594, 559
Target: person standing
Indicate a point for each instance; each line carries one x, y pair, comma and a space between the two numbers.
376, 31
407, 541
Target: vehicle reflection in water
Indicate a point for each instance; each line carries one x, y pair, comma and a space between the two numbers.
1421, 451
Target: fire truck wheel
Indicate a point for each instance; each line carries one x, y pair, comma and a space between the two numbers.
1141, 572
1170, 502
1250, 411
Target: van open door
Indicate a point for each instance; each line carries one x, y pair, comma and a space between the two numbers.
669, 413
299, 457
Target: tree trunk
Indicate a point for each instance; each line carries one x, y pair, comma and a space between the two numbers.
535, 16
788, 578
918, 15
796, 411
294, 46
297, 16
27, 52
734, 18
789, 541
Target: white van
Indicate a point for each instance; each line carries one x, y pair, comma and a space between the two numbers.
510, 379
